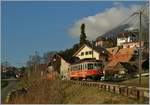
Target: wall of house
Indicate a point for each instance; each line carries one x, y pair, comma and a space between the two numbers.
121, 40
64, 69
105, 43
87, 49
132, 44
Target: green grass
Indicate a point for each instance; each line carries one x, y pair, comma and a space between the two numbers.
135, 82
77, 94
4, 84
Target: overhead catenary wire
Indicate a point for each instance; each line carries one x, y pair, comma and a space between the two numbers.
126, 21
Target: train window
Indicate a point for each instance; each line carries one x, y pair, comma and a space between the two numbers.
85, 67
81, 67
78, 67
95, 66
90, 66
75, 67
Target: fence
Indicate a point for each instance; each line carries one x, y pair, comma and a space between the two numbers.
130, 91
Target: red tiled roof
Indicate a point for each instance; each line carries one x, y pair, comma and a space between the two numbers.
123, 55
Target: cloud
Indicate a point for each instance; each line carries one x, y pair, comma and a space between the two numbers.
104, 21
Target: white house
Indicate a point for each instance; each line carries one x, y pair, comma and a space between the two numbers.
64, 69
126, 37
132, 44
60, 65
97, 52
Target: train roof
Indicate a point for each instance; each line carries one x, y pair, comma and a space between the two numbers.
86, 60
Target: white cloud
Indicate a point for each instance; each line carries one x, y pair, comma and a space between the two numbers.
104, 21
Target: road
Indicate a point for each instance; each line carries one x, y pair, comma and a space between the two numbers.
4, 91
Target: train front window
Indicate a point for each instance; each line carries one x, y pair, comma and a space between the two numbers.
95, 66
90, 66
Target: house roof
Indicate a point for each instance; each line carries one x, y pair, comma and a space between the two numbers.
113, 50
126, 34
118, 58
98, 49
87, 60
126, 51
58, 55
101, 38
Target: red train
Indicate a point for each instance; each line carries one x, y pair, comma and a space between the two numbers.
86, 69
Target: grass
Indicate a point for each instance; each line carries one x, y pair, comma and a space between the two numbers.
43, 91
4, 84
77, 94
55, 91
135, 82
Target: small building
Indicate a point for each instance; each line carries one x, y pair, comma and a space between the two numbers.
60, 65
133, 44
104, 42
121, 70
97, 52
123, 55
126, 37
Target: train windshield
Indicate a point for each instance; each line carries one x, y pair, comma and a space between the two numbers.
90, 66
97, 65
94, 66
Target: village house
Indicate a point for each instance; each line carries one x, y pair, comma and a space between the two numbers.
97, 52
104, 42
60, 65
121, 70
121, 55
126, 37
133, 44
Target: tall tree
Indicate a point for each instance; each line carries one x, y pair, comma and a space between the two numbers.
34, 59
46, 56
83, 35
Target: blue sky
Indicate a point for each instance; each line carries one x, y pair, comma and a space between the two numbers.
43, 26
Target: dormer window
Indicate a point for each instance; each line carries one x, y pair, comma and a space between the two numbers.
82, 53
86, 53
90, 52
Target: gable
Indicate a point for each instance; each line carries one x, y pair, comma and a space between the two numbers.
86, 49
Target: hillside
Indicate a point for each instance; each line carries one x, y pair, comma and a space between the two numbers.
43, 91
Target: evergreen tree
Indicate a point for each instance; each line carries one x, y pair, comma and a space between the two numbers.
83, 35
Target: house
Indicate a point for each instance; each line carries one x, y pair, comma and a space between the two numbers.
60, 65
133, 44
113, 50
126, 37
97, 52
104, 42
121, 70
122, 55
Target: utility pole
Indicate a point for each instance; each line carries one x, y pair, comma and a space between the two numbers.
140, 53
92, 50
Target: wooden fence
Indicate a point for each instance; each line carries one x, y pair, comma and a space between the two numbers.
130, 91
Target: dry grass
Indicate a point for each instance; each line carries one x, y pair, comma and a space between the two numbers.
76, 94
42, 91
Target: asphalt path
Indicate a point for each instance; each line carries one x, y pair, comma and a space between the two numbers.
4, 91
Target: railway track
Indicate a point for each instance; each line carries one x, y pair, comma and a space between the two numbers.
129, 91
